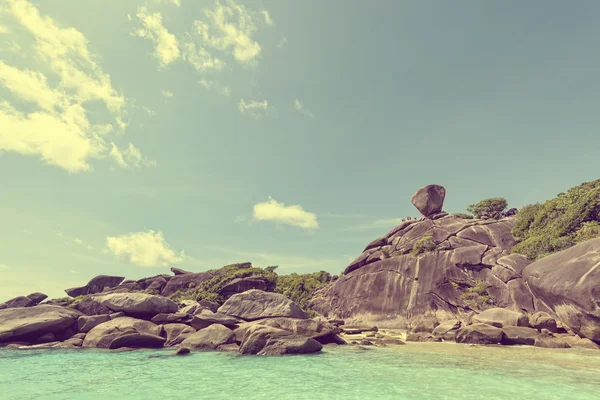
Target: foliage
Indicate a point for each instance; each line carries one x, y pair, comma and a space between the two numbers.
423, 245
560, 223
300, 287
488, 208
210, 289
477, 295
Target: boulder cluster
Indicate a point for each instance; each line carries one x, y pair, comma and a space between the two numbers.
113, 316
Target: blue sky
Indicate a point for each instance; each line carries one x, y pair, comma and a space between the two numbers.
139, 135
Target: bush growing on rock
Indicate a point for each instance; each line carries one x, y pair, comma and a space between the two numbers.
423, 245
570, 218
477, 296
300, 287
488, 208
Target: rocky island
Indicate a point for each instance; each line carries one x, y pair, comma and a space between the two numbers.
443, 277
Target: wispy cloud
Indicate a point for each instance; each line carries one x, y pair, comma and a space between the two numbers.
267, 17
144, 249
299, 107
130, 157
253, 108
282, 42
294, 215
166, 45
166, 93
60, 102
82, 243
215, 86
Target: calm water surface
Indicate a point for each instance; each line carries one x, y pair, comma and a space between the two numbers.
415, 371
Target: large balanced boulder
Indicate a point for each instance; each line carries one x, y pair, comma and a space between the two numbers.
567, 283
138, 304
209, 338
102, 335
501, 317
265, 340
479, 334
96, 285
429, 200
30, 323
255, 304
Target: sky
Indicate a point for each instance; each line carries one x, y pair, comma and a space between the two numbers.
143, 134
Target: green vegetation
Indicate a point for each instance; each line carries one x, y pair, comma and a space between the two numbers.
488, 208
477, 296
300, 287
560, 223
423, 245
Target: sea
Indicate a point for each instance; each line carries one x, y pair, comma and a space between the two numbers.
413, 371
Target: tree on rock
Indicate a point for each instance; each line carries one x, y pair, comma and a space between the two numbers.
488, 208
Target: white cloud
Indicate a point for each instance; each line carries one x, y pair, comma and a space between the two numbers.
217, 87
167, 48
271, 210
167, 93
201, 59
145, 249
229, 28
299, 107
267, 17
254, 109
58, 129
82, 243
282, 42
130, 157
176, 3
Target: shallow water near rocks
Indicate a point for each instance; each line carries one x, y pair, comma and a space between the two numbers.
414, 371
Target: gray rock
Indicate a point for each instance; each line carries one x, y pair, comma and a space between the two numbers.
429, 200
209, 338
550, 342
179, 271
541, 320
96, 285
102, 335
264, 340
89, 306
20, 324
256, 304
170, 318
426, 326
182, 351
177, 333
21, 301
322, 331
138, 304
568, 282
519, 335
137, 340
479, 334
87, 323
240, 285
501, 317
185, 282
422, 337
443, 328
207, 318
37, 297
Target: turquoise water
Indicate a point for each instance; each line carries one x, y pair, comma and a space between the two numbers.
415, 371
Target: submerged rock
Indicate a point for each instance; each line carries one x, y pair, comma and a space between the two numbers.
137, 340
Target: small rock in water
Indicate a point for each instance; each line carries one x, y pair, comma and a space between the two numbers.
183, 351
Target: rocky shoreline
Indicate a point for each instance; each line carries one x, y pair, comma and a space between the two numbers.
441, 278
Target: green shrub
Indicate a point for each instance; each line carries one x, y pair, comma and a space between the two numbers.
560, 223
300, 287
423, 245
477, 296
488, 208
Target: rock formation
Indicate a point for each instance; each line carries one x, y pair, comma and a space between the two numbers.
429, 200
96, 285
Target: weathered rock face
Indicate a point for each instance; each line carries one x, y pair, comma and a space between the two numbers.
89, 306
137, 304
240, 285
28, 324
429, 200
256, 304
88, 322
209, 338
568, 283
177, 333
265, 340
501, 317
207, 318
96, 285
479, 334
21, 301
322, 331
102, 335
398, 288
